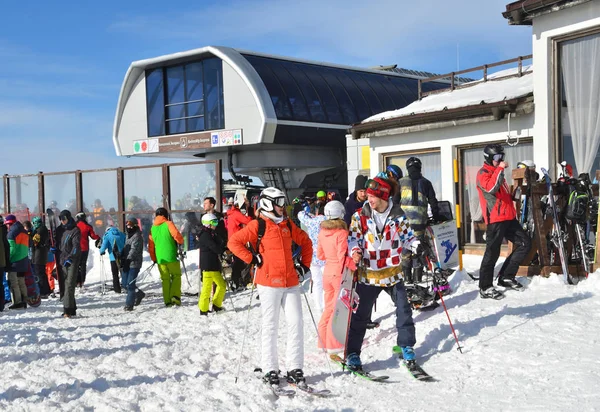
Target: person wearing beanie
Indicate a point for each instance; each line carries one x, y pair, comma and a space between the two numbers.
416, 194
163, 247
379, 232
18, 241
70, 254
39, 256
131, 260
357, 198
211, 247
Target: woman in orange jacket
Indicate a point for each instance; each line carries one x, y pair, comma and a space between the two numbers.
277, 281
333, 249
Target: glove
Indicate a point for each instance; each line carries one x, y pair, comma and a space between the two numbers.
416, 247
257, 260
302, 270
67, 263
53, 250
36, 239
102, 253
98, 243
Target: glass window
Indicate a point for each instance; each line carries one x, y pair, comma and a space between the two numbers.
431, 167
278, 97
358, 100
155, 102
190, 184
380, 91
143, 189
295, 98
471, 161
400, 100
310, 95
367, 92
195, 96
175, 84
23, 196
100, 193
327, 98
61, 189
340, 93
213, 94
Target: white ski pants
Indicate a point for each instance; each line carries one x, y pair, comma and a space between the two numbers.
272, 300
316, 275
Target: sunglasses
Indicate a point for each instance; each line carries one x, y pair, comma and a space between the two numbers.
499, 157
375, 185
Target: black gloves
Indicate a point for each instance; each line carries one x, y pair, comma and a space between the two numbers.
257, 260
302, 270
98, 243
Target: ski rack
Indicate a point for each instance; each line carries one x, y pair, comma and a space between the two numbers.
522, 178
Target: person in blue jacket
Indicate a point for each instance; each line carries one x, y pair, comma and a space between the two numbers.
113, 239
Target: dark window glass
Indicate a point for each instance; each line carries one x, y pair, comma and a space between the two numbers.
213, 94
396, 95
291, 89
411, 88
345, 103
175, 85
278, 97
359, 102
310, 95
329, 101
380, 91
403, 89
367, 91
155, 102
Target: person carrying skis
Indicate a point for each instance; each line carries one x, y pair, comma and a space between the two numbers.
131, 258
18, 241
211, 247
70, 254
500, 216
39, 255
162, 245
378, 234
87, 231
277, 281
113, 239
416, 194
332, 248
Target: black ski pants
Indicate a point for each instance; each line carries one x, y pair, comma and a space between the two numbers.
404, 322
114, 268
237, 268
495, 233
82, 269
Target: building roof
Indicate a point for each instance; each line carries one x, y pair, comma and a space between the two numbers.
480, 97
522, 12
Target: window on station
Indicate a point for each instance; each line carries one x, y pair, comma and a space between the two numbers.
185, 98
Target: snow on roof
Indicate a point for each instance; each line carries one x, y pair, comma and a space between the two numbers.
483, 92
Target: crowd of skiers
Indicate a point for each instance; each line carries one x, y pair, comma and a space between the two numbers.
377, 234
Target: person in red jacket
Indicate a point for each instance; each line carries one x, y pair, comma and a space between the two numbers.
500, 216
236, 220
277, 280
87, 231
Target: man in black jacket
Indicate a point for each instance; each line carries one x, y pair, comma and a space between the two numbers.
209, 207
70, 254
211, 247
39, 256
356, 199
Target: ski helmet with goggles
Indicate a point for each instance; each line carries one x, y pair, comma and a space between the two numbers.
271, 197
394, 171
80, 217
334, 210
525, 164
414, 163
493, 152
209, 219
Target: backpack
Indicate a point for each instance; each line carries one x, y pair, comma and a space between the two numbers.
577, 205
262, 226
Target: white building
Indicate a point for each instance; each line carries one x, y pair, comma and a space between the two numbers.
563, 84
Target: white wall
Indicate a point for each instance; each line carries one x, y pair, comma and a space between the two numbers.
446, 139
134, 123
354, 159
545, 28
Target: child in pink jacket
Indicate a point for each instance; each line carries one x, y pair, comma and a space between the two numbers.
333, 249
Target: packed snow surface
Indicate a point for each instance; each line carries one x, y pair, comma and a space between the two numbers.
479, 92
536, 350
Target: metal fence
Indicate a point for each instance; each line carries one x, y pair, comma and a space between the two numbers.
109, 196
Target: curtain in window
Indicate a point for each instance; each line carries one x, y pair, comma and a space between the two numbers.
431, 168
580, 67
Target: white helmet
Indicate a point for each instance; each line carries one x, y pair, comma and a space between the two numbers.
269, 197
334, 210
209, 219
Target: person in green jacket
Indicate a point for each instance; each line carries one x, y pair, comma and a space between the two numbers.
162, 244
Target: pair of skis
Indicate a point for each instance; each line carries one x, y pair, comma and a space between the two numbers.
411, 366
279, 391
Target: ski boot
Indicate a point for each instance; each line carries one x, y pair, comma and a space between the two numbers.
217, 309
296, 376
353, 362
272, 378
491, 293
408, 353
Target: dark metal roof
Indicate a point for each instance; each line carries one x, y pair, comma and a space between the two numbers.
521, 12
423, 74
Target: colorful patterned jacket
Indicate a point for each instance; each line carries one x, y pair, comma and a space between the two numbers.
313, 227
382, 251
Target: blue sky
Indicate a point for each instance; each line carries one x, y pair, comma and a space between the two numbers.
62, 63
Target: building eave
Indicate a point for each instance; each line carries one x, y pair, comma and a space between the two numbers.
522, 13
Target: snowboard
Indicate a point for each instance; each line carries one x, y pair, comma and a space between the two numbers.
346, 301
33, 289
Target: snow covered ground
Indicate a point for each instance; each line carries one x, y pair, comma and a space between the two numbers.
535, 350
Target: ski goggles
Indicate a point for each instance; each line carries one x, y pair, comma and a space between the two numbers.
213, 223
499, 157
378, 188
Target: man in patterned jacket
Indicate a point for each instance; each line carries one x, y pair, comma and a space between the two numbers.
378, 234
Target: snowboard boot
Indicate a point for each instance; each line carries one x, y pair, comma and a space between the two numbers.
272, 378
491, 293
296, 376
408, 353
407, 272
353, 362
139, 295
217, 309
510, 283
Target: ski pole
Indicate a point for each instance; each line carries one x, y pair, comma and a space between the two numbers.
244, 335
437, 288
181, 256
317, 330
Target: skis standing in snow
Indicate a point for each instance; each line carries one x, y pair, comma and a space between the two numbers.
277, 281
500, 216
378, 234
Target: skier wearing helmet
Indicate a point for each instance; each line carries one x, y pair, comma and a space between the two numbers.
211, 247
416, 194
277, 281
501, 219
333, 249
